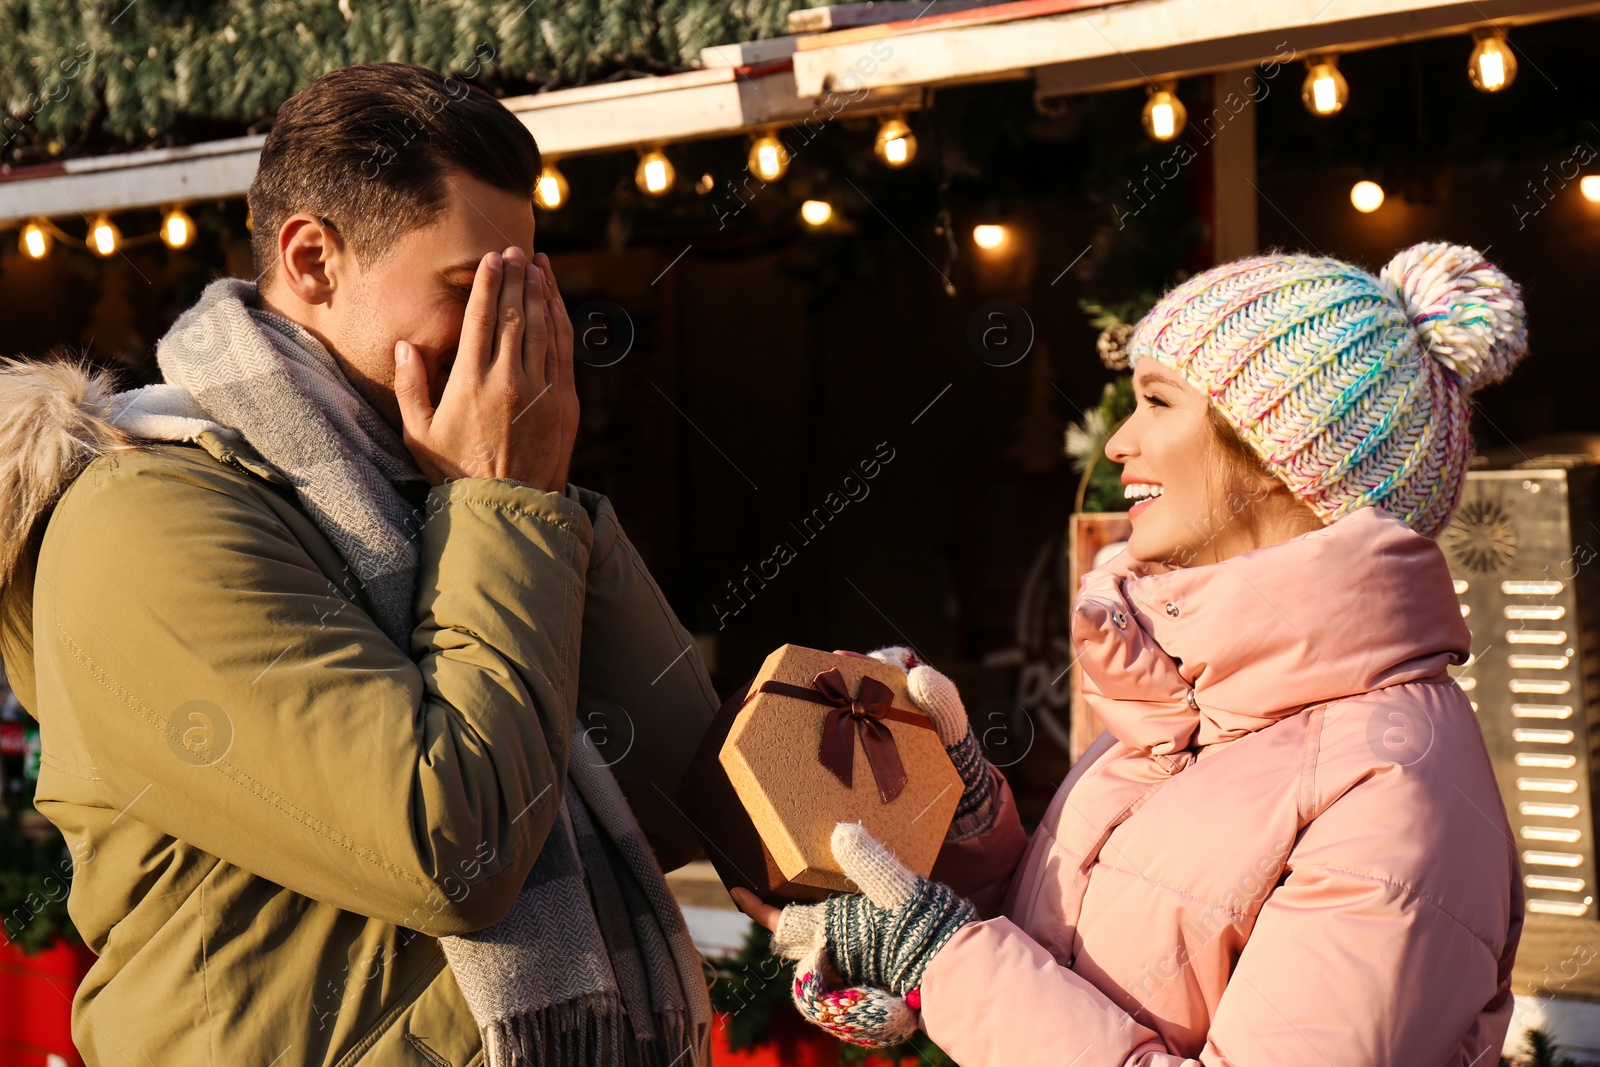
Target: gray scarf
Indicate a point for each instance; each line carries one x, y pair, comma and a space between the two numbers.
594, 951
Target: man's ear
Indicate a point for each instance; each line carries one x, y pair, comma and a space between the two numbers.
311, 255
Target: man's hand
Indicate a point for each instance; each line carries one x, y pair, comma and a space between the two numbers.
510, 408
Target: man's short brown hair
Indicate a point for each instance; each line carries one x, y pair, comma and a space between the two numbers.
367, 148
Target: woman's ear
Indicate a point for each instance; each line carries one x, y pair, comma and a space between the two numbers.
1266, 482
1292, 506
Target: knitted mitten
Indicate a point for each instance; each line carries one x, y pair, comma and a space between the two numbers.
860, 1015
884, 936
936, 695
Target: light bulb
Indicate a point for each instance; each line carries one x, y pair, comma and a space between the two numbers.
1366, 196
816, 212
655, 174
104, 237
177, 229
551, 190
1164, 114
989, 236
1589, 186
1493, 65
768, 158
1324, 91
35, 241
896, 145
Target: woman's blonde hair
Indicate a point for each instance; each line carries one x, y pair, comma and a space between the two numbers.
1232, 463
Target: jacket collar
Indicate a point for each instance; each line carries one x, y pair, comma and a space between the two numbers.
238, 453
1177, 657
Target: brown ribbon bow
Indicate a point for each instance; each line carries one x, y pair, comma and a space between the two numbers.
872, 704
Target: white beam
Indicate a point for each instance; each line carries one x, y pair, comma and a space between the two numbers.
842, 16
1233, 165
1125, 43
857, 72
85, 187
714, 102
597, 118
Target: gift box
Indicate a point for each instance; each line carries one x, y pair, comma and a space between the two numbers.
815, 739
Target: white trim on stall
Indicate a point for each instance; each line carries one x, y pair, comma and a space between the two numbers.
1067, 46
1084, 46
86, 187
637, 112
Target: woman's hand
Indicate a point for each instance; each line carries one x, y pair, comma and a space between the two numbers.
884, 936
876, 944
937, 696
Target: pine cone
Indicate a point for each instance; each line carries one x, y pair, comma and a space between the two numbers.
1113, 346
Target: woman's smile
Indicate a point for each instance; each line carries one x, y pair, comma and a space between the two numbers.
1143, 493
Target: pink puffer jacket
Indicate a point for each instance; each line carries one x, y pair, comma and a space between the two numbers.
1288, 848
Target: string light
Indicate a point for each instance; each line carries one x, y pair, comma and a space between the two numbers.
36, 240
550, 192
1493, 65
816, 212
896, 145
655, 173
177, 229
1589, 186
989, 236
1164, 114
769, 159
1324, 91
1367, 197
104, 237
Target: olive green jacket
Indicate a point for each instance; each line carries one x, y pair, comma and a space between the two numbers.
274, 811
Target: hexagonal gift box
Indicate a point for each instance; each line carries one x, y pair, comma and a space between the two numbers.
823, 739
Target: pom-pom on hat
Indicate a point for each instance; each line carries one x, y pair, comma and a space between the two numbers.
1354, 389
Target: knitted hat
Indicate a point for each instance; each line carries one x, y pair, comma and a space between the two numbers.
1354, 389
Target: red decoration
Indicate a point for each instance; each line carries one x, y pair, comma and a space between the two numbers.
37, 993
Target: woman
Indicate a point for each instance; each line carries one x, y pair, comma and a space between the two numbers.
1289, 846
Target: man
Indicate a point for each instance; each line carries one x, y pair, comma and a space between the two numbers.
318, 629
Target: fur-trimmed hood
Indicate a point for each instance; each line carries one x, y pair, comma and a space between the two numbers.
57, 417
